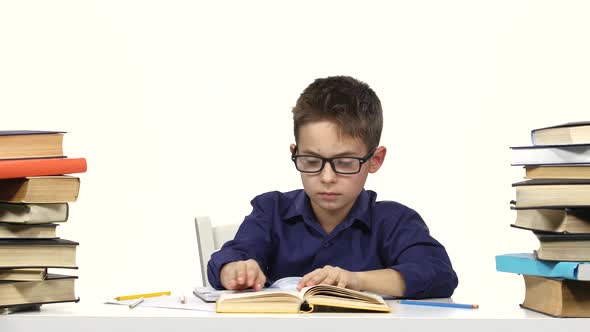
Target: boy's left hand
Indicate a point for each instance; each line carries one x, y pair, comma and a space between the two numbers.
331, 275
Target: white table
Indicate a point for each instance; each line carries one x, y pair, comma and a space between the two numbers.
96, 316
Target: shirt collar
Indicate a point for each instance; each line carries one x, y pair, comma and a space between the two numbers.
360, 211
300, 206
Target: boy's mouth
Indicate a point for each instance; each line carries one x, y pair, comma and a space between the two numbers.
328, 195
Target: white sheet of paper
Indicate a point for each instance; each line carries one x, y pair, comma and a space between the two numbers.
170, 302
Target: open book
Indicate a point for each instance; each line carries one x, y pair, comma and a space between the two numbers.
209, 294
309, 299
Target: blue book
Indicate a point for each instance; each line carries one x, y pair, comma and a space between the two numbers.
528, 264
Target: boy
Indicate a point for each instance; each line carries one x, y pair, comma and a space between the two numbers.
333, 231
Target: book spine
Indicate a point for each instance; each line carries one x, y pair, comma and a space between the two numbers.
11, 169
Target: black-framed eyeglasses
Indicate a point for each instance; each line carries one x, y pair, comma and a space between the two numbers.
340, 165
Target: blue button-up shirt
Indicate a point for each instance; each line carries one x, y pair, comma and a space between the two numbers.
284, 237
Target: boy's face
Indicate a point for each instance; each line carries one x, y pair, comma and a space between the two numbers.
329, 192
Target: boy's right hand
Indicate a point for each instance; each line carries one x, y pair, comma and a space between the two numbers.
242, 274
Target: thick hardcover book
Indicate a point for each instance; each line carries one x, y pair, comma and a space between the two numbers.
32, 213
557, 219
553, 193
550, 155
22, 144
567, 133
55, 288
563, 247
40, 189
23, 274
527, 263
10, 169
557, 297
573, 171
24, 231
37, 253
309, 299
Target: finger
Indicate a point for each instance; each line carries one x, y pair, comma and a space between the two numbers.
332, 277
303, 282
346, 279
259, 281
241, 274
342, 281
228, 276
252, 271
318, 277
312, 277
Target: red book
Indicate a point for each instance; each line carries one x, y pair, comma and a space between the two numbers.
11, 169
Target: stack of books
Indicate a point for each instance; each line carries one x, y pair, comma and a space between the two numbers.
554, 203
34, 196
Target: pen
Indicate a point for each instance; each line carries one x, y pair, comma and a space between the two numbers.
137, 296
440, 304
136, 303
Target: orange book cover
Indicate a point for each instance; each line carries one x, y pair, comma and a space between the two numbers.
11, 169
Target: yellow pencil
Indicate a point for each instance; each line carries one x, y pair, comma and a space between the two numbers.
137, 296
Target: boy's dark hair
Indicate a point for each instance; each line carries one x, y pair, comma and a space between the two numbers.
346, 101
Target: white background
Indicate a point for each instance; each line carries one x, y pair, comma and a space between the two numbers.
183, 108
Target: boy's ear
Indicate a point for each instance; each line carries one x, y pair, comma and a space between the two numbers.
377, 159
292, 148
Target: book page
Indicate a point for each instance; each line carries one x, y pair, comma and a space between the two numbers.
265, 293
584, 271
287, 283
335, 291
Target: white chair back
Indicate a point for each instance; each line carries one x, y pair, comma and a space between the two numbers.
210, 239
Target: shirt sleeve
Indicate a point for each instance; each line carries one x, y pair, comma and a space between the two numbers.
252, 241
422, 261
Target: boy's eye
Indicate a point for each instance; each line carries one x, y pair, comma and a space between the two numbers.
311, 161
346, 164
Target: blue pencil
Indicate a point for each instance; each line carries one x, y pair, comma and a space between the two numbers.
440, 304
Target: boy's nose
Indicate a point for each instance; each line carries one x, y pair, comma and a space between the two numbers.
327, 174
